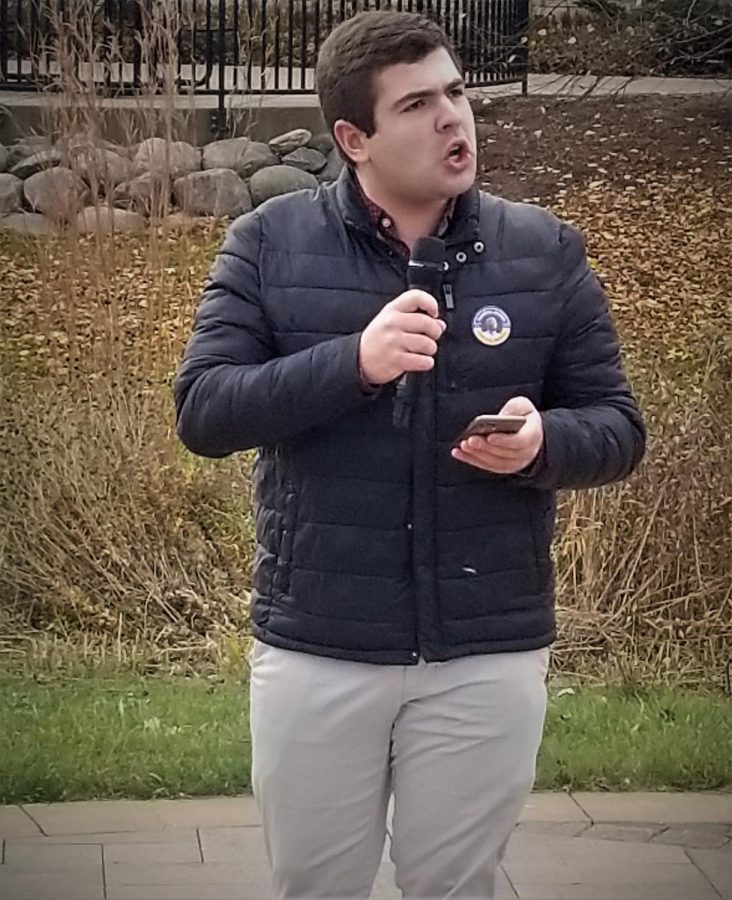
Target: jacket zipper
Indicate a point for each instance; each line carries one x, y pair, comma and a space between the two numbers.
449, 303
449, 299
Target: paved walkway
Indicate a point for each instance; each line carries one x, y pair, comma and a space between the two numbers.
604, 85
566, 847
538, 85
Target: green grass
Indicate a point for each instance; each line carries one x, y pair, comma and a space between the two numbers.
122, 737
637, 738
126, 736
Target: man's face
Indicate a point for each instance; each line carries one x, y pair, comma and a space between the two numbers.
423, 148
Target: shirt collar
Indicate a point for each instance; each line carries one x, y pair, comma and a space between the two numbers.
386, 229
465, 225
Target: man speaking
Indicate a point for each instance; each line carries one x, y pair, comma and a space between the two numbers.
402, 600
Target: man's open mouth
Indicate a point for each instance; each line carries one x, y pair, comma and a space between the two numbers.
458, 152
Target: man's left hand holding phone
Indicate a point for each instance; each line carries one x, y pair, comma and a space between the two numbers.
505, 454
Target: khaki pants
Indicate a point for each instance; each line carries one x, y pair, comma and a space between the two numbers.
454, 742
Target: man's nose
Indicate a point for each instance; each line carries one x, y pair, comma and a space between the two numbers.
448, 115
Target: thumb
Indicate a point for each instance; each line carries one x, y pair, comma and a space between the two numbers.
518, 406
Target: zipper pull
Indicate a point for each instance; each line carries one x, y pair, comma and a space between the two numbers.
449, 302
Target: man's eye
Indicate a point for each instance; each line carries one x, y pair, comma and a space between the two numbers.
457, 91
416, 105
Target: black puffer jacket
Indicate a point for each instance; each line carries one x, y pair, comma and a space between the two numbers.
375, 544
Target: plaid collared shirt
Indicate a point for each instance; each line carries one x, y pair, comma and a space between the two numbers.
387, 229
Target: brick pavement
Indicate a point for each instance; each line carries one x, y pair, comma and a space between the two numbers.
634, 846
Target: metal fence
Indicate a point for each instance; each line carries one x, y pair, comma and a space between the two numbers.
227, 46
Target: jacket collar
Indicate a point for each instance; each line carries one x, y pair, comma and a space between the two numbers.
464, 223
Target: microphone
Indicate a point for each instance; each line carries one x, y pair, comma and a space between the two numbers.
424, 273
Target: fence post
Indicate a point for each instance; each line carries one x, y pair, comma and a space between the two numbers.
522, 34
4, 40
220, 124
138, 26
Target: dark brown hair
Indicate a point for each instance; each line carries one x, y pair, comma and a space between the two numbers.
361, 47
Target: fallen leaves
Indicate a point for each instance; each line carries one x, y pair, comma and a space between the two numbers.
84, 305
649, 183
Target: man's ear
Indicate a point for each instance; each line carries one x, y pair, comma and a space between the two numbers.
352, 141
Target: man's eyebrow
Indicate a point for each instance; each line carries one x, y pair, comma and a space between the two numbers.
423, 94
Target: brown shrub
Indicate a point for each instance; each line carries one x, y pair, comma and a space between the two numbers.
108, 526
659, 37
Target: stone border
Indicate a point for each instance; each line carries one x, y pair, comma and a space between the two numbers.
96, 186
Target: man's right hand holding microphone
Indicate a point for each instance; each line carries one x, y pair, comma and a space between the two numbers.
403, 337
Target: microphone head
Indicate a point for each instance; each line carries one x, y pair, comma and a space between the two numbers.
428, 251
426, 263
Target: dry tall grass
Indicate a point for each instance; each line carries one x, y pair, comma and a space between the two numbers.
110, 535
107, 526
645, 567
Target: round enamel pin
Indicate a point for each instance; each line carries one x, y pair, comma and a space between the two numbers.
491, 326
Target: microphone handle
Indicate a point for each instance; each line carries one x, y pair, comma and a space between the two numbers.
408, 383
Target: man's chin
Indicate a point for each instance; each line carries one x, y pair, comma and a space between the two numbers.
459, 184
440, 189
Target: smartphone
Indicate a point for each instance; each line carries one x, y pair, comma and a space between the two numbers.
491, 425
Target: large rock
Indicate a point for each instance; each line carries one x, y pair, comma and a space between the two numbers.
102, 166
228, 154
124, 150
106, 220
58, 193
27, 146
4, 157
85, 144
214, 192
291, 140
306, 159
145, 193
276, 180
43, 159
322, 142
160, 158
256, 156
11, 194
27, 223
332, 169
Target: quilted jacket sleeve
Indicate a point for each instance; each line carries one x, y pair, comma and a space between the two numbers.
593, 430
232, 392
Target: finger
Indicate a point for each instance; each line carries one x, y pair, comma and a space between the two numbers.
517, 406
418, 323
489, 452
483, 443
419, 343
414, 301
478, 445
488, 463
413, 362
517, 442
